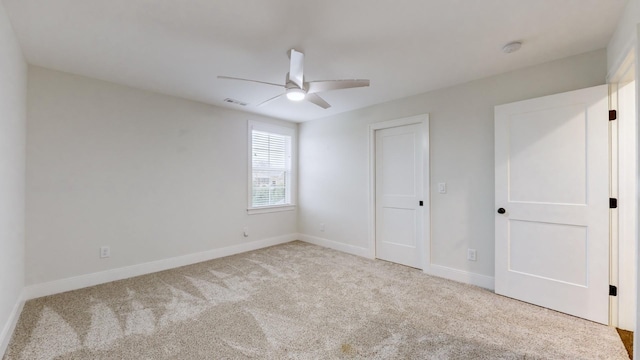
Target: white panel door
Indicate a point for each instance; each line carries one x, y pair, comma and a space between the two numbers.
398, 194
552, 202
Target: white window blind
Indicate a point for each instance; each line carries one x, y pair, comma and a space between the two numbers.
271, 169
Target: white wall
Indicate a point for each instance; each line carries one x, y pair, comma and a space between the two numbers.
624, 37
13, 83
152, 176
333, 173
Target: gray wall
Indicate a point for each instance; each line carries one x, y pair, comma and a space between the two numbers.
334, 175
152, 176
13, 82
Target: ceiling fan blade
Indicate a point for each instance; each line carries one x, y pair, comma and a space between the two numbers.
270, 100
255, 81
313, 98
327, 85
296, 68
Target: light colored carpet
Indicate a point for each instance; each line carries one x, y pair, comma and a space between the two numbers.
299, 301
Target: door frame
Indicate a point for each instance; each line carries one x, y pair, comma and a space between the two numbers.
425, 244
623, 225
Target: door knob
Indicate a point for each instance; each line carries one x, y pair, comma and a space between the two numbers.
501, 211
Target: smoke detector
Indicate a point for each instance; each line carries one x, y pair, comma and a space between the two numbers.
512, 47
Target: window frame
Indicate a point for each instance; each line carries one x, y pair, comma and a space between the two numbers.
280, 130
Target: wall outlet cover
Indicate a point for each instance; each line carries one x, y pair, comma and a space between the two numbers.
471, 254
105, 252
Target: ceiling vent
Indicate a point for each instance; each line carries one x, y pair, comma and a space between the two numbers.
236, 102
512, 47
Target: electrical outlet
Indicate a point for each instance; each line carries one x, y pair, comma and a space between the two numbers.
105, 252
442, 188
471, 254
322, 227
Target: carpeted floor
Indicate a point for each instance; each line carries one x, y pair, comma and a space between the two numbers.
299, 301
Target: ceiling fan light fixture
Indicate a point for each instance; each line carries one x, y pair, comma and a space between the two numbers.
295, 94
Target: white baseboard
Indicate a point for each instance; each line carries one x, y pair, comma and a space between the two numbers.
484, 281
462, 276
349, 249
10, 326
82, 281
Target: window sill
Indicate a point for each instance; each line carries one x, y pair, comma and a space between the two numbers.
270, 209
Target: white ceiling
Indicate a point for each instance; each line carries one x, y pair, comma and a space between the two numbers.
405, 47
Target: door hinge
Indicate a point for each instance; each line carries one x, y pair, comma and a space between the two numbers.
613, 290
613, 203
613, 115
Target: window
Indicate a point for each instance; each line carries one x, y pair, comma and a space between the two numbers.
270, 167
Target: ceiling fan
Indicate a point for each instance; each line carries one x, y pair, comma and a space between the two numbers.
296, 89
